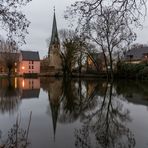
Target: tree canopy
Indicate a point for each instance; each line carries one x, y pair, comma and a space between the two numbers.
88, 9
9, 55
12, 20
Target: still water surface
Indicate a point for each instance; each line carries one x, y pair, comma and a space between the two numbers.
73, 113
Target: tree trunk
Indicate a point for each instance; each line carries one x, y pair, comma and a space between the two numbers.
9, 72
106, 65
80, 64
111, 65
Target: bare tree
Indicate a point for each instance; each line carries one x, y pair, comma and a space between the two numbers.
73, 47
101, 13
111, 33
13, 20
77, 49
88, 9
9, 55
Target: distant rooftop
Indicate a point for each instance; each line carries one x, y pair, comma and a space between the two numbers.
30, 55
137, 53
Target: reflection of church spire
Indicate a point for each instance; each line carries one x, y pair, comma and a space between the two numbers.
54, 112
54, 37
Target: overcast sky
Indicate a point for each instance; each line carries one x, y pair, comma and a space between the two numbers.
40, 14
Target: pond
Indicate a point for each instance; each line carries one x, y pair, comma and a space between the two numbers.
77, 113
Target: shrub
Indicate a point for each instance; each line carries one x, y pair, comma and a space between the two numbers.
128, 70
143, 73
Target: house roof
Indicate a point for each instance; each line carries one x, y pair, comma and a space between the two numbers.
137, 53
30, 55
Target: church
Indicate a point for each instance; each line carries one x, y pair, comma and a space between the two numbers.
52, 64
54, 55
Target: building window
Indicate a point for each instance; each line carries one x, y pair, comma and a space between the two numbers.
32, 62
23, 67
32, 67
29, 67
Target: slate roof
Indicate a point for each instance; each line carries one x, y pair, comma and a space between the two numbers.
30, 55
136, 53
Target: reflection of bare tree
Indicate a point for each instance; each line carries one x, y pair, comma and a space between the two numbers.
69, 102
9, 97
107, 124
76, 100
102, 115
17, 136
69, 99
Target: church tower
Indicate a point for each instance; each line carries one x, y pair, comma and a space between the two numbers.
55, 61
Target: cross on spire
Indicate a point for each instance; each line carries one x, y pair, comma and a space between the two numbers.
54, 9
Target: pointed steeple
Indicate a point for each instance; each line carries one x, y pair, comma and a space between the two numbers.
54, 36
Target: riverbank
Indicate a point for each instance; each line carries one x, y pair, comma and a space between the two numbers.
130, 72
75, 75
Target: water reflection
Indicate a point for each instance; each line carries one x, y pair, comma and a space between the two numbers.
29, 88
78, 98
99, 108
107, 124
90, 113
134, 91
12, 91
9, 96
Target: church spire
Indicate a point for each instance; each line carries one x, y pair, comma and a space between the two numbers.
54, 36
